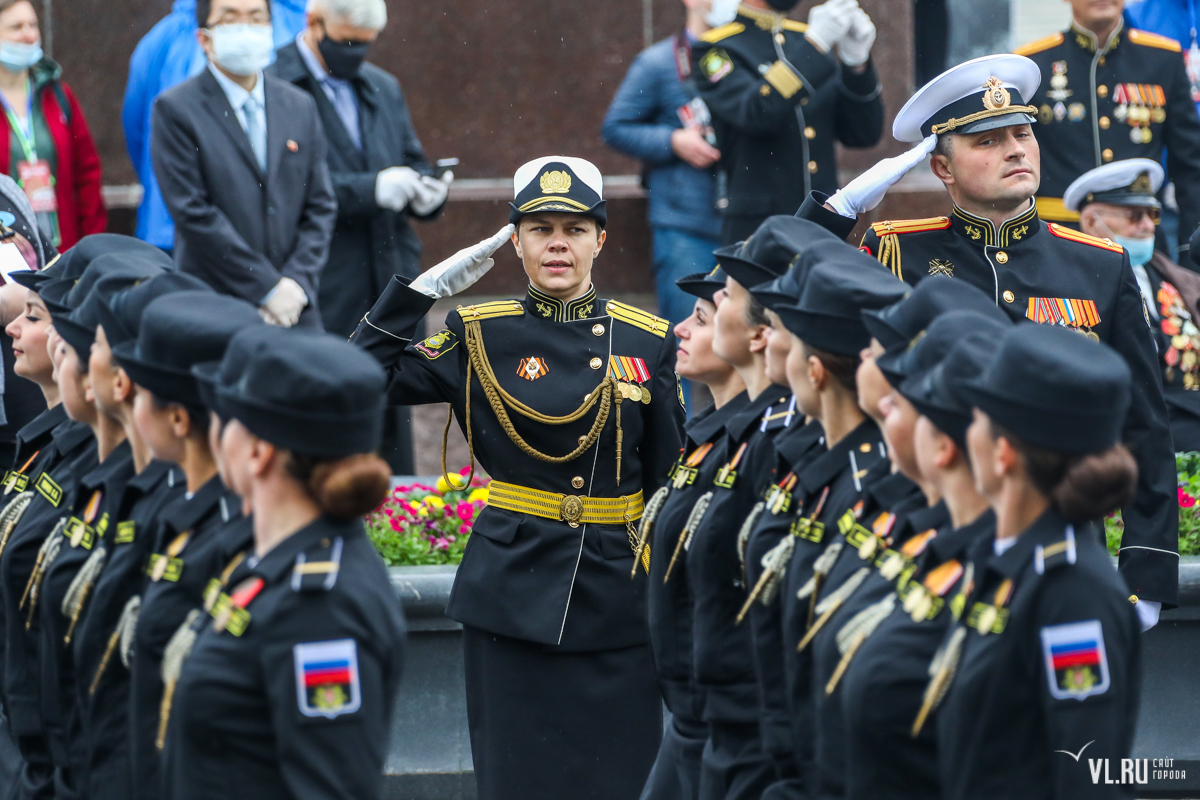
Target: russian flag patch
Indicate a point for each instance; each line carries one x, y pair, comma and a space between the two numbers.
1076, 663
327, 683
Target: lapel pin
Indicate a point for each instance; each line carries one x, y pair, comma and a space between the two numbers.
291, 145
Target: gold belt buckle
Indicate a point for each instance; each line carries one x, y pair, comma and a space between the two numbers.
571, 509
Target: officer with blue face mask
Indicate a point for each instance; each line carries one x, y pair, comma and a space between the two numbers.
1117, 201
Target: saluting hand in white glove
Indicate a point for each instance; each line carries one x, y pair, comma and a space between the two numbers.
864, 192
461, 270
829, 22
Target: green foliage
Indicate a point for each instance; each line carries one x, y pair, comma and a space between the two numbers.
420, 525
1187, 465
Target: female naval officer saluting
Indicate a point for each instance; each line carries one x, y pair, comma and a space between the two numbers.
572, 405
288, 689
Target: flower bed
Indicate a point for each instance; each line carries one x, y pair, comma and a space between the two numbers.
1187, 465
420, 525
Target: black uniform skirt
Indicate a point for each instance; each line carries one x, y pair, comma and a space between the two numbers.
547, 724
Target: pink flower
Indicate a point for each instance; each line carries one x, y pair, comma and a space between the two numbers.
395, 525
464, 529
1185, 499
465, 511
441, 544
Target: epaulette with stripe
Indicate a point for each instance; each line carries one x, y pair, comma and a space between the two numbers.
318, 568
1054, 555
910, 225
1038, 45
793, 25
778, 415
631, 315
1063, 232
723, 32
1154, 40
499, 308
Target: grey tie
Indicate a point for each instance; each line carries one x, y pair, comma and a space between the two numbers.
254, 129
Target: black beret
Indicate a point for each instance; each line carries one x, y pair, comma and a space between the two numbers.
828, 315
931, 345
121, 316
896, 325
703, 284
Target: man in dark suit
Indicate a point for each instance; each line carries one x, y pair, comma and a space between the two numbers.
240, 158
379, 171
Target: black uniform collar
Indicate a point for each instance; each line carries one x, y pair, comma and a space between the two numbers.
793, 444
752, 412
765, 19
982, 232
956, 541
70, 434
42, 424
543, 306
154, 472
927, 517
1049, 528
822, 471
1087, 40
119, 461
187, 514
281, 559
893, 490
708, 423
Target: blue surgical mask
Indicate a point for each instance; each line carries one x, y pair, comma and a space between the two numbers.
19, 56
242, 49
722, 12
1140, 250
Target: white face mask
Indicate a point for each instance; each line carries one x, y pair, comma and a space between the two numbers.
721, 13
242, 49
18, 56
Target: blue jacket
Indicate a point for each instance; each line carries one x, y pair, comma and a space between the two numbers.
639, 124
166, 56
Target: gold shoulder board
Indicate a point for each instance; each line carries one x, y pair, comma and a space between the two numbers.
638, 318
499, 308
1154, 40
910, 225
1038, 45
792, 25
1084, 238
723, 32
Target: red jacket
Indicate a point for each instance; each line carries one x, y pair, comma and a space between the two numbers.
77, 180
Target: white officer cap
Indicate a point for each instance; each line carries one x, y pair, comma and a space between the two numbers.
977, 95
558, 183
1131, 182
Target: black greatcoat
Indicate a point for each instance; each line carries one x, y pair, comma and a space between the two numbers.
370, 244
758, 129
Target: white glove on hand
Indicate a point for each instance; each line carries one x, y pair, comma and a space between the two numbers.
855, 47
829, 22
1148, 611
864, 192
431, 193
395, 187
284, 303
461, 270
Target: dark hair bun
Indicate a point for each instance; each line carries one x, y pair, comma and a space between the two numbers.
350, 487
1096, 484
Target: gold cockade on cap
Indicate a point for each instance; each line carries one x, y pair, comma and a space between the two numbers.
995, 96
556, 182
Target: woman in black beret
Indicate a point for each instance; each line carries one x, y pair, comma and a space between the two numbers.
1041, 672
287, 685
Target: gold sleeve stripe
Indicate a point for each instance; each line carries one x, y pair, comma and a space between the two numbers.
638, 318
500, 308
783, 79
1154, 40
1038, 45
1083, 238
723, 32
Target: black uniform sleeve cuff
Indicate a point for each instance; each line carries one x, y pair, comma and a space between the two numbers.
1151, 574
390, 325
861, 86
813, 209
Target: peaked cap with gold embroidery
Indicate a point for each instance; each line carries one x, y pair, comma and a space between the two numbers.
978, 95
558, 183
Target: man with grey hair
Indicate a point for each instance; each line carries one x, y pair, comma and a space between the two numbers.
379, 171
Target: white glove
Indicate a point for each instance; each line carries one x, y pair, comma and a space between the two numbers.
284, 303
855, 47
1148, 611
864, 192
461, 270
431, 193
829, 22
395, 187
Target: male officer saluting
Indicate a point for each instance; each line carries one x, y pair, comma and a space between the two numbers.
779, 102
571, 404
1109, 93
975, 119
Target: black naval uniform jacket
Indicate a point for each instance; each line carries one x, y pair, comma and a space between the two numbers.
756, 103
102, 677
72, 455
97, 496
297, 704
191, 537
724, 653
794, 448
884, 685
826, 488
1093, 102
670, 603
1049, 273
524, 576
1059, 668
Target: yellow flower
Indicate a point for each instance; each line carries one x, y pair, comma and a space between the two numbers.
434, 502
478, 496
444, 486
